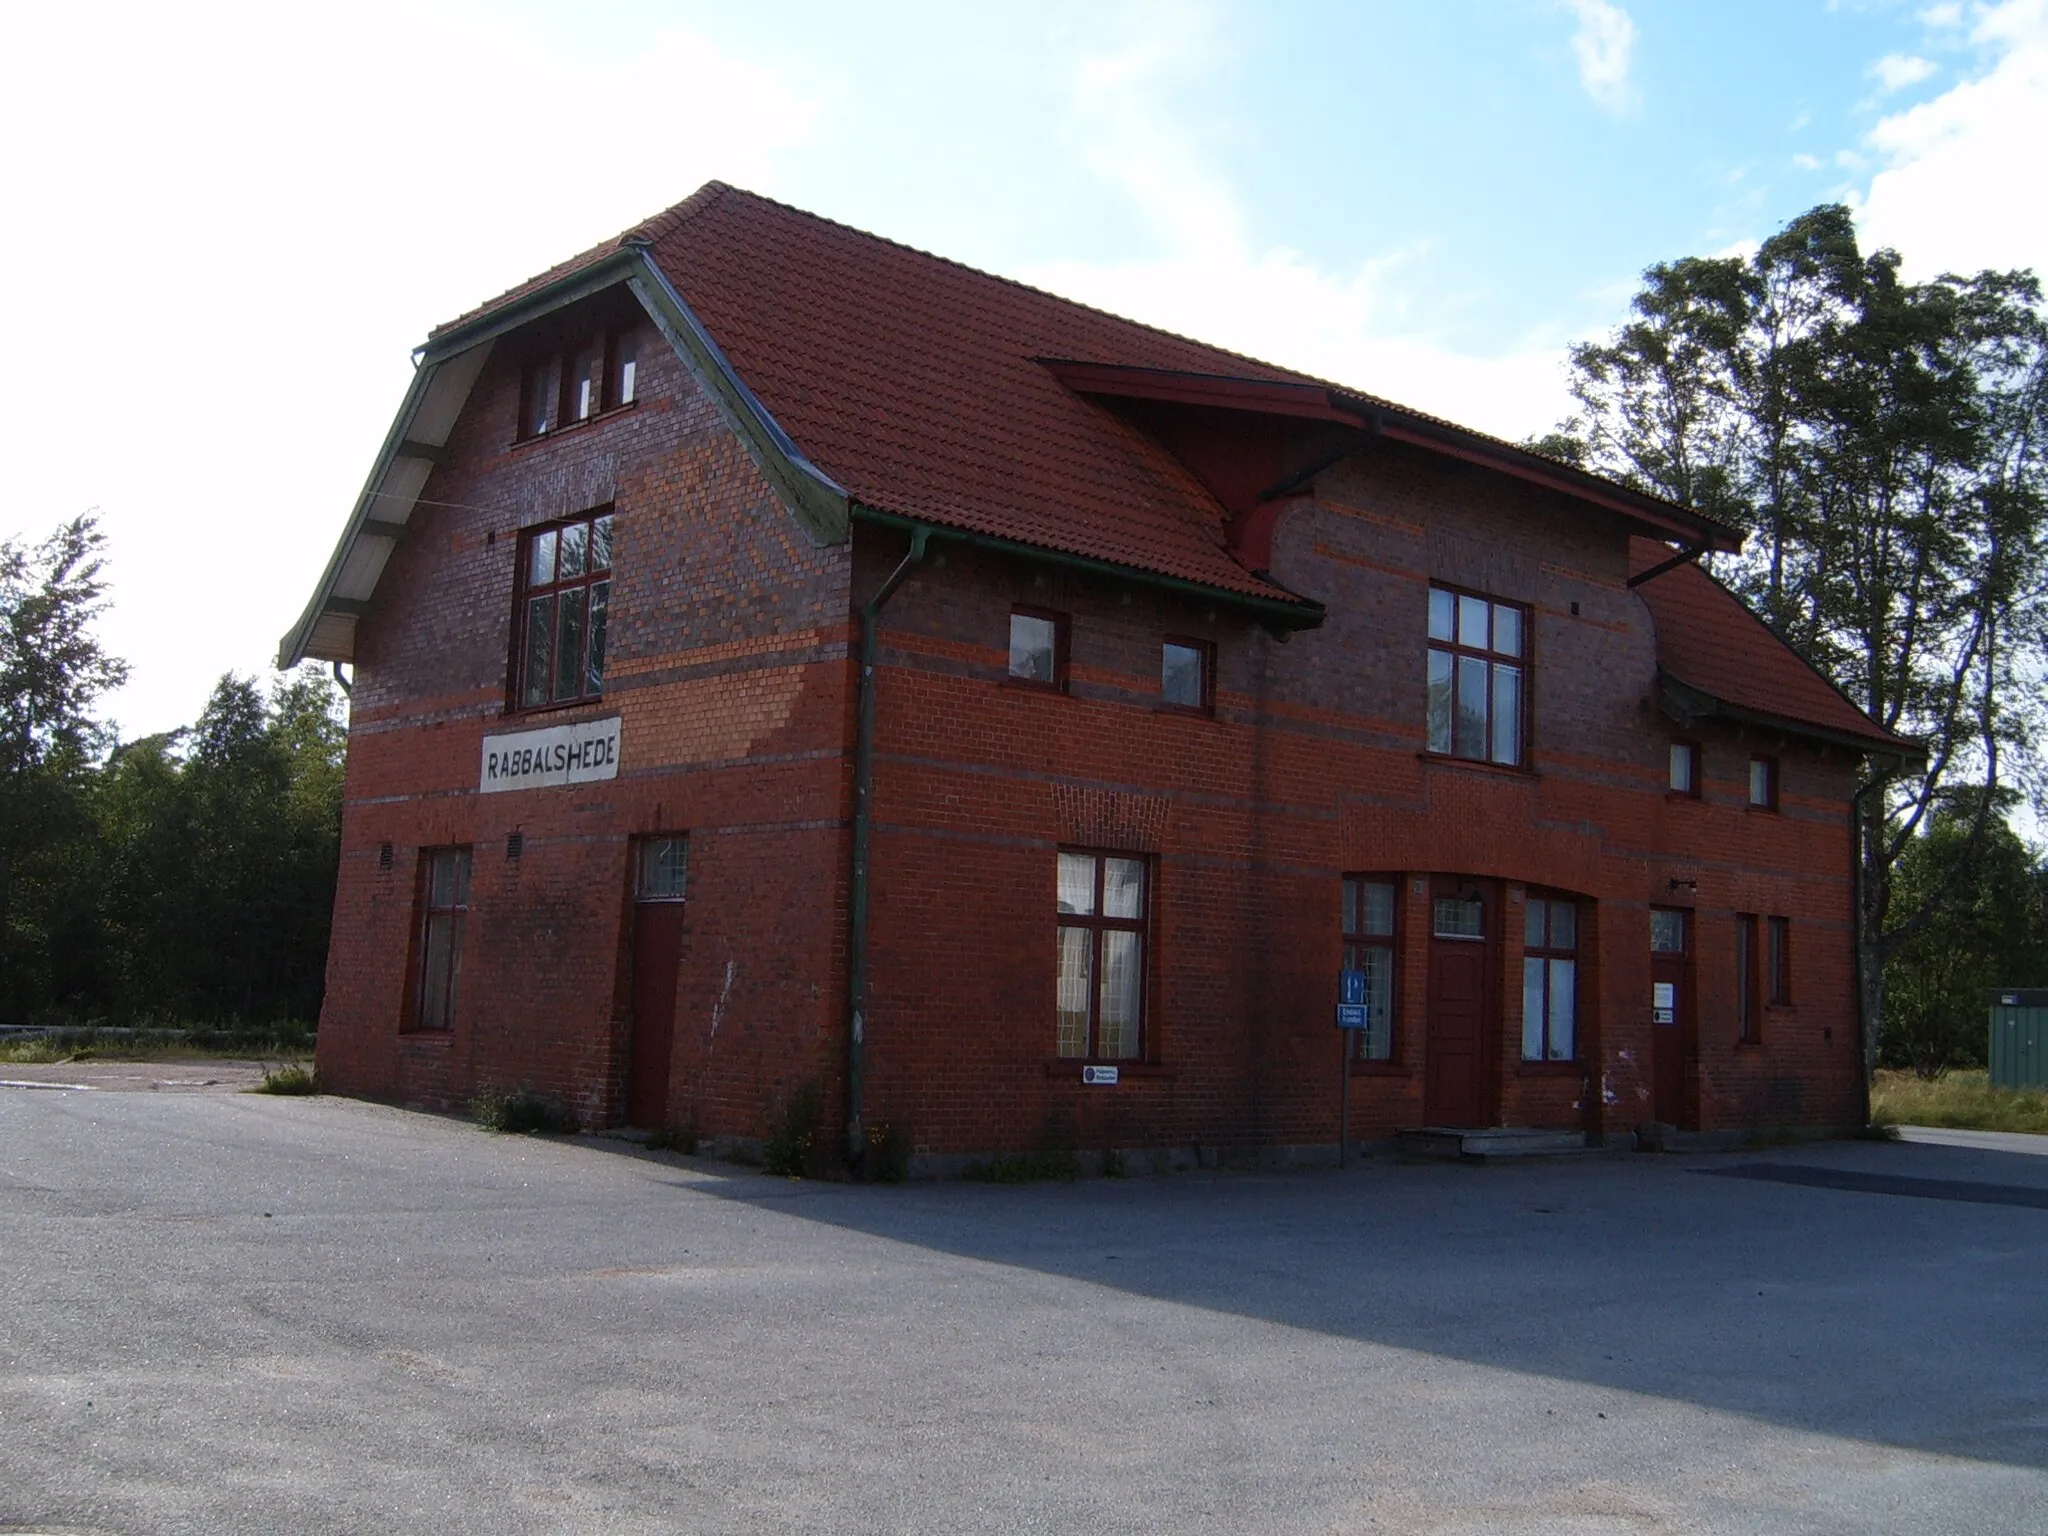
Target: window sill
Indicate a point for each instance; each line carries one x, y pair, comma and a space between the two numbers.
1549, 1068
1070, 1066
1031, 685
440, 1037
523, 711
1475, 765
574, 426
1688, 796
1185, 711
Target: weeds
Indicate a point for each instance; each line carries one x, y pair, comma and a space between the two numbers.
1962, 1100
293, 1077
888, 1157
520, 1113
668, 1138
1026, 1168
789, 1146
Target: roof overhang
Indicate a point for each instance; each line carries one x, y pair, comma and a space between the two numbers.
1280, 615
1649, 515
446, 370
1687, 704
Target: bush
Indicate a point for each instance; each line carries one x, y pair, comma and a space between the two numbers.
520, 1113
291, 1078
890, 1144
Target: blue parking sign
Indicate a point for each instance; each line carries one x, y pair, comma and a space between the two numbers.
1351, 1016
1351, 986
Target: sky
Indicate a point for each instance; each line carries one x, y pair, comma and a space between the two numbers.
227, 227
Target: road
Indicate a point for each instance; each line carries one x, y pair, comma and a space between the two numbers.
226, 1312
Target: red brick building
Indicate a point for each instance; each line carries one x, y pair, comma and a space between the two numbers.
782, 657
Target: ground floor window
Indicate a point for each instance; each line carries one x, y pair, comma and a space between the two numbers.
1101, 942
444, 906
1550, 979
1369, 947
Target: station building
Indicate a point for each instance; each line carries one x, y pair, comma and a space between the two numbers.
787, 662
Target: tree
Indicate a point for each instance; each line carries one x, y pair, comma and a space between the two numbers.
1989, 930
52, 675
1883, 442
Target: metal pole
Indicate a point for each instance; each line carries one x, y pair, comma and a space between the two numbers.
1344, 1099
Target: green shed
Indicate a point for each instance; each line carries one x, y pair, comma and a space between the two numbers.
2019, 1038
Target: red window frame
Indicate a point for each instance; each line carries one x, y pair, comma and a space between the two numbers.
543, 552
552, 379
1205, 658
1547, 954
1059, 622
1094, 926
443, 902
1778, 960
1694, 756
1770, 767
1749, 1013
1452, 741
1367, 949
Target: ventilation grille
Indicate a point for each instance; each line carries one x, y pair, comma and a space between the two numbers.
515, 847
383, 857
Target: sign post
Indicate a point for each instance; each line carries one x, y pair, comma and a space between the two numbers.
1351, 1018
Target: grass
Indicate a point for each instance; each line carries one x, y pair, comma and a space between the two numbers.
285, 1042
1963, 1100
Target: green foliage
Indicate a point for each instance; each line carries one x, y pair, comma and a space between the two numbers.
521, 1112
1885, 444
669, 1138
93, 1042
889, 1149
793, 1140
293, 1078
1962, 1100
1987, 927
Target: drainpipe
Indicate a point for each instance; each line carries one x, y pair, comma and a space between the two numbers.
863, 825
1866, 1048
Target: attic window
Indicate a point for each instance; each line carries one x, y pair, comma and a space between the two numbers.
575, 383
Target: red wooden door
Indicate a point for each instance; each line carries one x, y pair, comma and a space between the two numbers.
1671, 1015
1454, 1081
657, 953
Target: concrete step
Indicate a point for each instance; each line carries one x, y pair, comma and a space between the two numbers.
1496, 1144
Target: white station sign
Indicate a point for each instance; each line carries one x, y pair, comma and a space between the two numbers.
581, 753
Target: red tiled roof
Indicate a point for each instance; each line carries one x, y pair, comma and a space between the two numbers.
911, 380
1708, 639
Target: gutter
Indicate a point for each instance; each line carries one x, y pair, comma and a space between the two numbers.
863, 829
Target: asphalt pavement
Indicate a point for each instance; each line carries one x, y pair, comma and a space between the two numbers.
225, 1312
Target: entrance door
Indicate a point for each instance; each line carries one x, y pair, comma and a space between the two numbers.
1454, 1081
1671, 1018
657, 957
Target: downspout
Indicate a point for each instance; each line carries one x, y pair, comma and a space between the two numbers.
863, 826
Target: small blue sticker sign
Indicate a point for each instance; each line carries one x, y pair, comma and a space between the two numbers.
1351, 1015
1101, 1077
1351, 987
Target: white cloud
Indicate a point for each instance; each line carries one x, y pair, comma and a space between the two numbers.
1896, 71
1957, 189
1605, 46
1209, 280
1805, 162
251, 216
1943, 16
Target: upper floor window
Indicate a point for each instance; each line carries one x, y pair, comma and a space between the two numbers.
595, 374
1685, 768
1187, 674
1368, 920
1038, 647
1476, 665
564, 603
1101, 932
1550, 979
1763, 783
